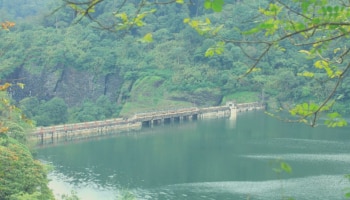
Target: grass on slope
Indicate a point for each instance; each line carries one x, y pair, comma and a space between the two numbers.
242, 97
149, 94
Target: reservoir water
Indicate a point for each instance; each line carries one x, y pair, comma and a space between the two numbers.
206, 159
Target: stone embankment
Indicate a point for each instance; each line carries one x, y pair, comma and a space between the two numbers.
79, 131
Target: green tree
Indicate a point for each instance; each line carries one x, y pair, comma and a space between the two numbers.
318, 27
242, 43
21, 176
102, 109
54, 111
29, 106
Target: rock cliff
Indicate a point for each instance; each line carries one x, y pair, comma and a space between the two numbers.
69, 84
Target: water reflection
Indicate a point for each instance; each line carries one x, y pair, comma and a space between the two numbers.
315, 187
86, 189
329, 158
308, 188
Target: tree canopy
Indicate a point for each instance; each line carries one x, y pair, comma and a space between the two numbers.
21, 176
295, 53
286, 53
317, 29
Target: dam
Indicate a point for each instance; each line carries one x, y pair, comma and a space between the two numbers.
84, 130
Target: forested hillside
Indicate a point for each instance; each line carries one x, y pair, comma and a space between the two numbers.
74, 69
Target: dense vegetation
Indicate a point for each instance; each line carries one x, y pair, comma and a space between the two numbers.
163, 56
172, 71
21, 176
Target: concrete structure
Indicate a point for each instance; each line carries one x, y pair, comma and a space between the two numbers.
78, 131
242, 107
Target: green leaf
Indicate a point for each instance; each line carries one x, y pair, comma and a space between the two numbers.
304, 109
304, 6
217, 49
306, 74
316, 20
299, 26
275, 9
91, 10
194, 23
152, 11
333, 115
320, 64
209, 52
73, 6
335, 120
148, 37
336, 50
329, 9
207, 4
122, 16
286, 167
207, 21
21, 85
255, 69
347, 195
252, 31
217, 5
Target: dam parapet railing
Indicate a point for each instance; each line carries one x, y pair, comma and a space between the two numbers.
85, 130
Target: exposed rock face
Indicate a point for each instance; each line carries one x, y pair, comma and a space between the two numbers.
69, 84
75, 86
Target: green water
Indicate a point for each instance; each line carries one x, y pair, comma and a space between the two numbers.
207, 159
